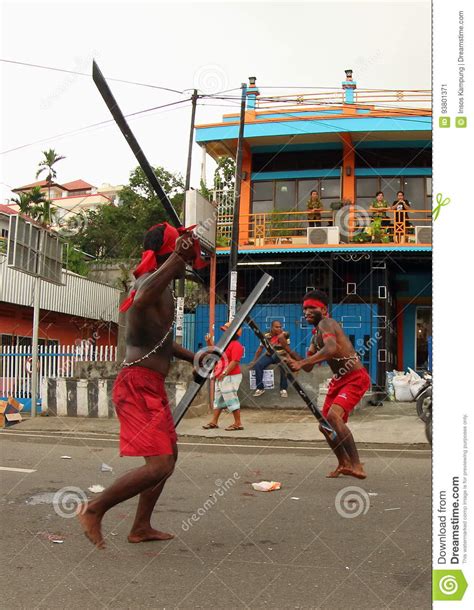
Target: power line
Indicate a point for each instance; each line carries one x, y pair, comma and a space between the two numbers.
77, 73
93, 125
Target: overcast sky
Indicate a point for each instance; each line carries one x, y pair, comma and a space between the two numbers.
210, 46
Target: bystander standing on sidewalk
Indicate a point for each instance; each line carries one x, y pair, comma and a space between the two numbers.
228, 378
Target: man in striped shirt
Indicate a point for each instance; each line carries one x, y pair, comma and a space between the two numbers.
261, 362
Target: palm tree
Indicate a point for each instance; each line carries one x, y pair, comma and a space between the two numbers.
35, 205
50, 159
23, 201
42, 209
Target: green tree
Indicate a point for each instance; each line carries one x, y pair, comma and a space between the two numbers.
47, 165
23, 201
116, 232
76, 261
35, 205
224, 174
45, 212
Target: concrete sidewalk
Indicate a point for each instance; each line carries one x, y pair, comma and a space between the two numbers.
391, 425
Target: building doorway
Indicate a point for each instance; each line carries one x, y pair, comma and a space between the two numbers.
423, 336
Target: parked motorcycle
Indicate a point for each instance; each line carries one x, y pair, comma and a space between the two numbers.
424, 404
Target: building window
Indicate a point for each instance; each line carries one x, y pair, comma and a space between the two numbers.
285, 195
417, 190
293, 195
330, 189
262, 197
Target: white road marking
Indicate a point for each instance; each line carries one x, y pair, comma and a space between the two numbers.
16, 469
191, 444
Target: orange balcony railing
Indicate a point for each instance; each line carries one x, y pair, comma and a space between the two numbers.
356, 226
407, 98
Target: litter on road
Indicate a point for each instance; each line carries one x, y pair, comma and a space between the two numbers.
106, 468
96, 489
267, 486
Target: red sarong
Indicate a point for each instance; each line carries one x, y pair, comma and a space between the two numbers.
146, 423
346, 391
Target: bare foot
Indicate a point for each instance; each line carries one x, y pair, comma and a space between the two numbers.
339, 470
355, 471
148, 535
91, 525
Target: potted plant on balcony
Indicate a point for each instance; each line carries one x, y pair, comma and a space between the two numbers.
222, 241
277, 227
374, 233
337, 205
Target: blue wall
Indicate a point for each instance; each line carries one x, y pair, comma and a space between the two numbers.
355, 319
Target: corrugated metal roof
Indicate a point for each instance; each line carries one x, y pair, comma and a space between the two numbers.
329, 249
78, 297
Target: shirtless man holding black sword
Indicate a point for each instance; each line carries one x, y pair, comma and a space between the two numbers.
348, 384
146, 423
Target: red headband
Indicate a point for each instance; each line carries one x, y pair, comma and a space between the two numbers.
148, 262
313, 303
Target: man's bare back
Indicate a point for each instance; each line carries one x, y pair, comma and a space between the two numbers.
146, 328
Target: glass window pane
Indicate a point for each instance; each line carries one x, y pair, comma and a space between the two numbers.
331, 189
367, 187
285, 194
262, 191
414, 189
262, 206
304, 190
390, 186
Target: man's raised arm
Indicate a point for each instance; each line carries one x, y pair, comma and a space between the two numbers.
173, 267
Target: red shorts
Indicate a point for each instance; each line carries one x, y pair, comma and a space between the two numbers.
146, 423
346, 391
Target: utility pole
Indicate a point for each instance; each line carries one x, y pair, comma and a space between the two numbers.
34, 343
234, 246
180, 284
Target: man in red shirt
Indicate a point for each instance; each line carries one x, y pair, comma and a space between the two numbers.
228, 378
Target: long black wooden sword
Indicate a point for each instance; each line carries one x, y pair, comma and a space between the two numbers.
112, 105
215, 353
292, 379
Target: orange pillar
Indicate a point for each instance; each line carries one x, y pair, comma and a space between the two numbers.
348, 176
245, 197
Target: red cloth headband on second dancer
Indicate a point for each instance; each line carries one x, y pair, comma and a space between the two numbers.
313, 303
148, 262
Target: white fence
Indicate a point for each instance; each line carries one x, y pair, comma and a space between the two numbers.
53, 361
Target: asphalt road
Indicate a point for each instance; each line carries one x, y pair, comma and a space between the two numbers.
299, 547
